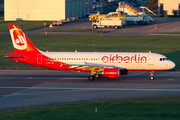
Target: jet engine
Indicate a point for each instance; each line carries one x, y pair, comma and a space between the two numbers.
114, 72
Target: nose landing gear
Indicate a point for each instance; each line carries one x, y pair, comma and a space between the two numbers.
151, 75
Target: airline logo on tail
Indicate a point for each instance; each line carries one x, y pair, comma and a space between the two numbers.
20, 41
18, 38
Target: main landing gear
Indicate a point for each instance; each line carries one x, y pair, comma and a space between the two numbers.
151, 75
91, 77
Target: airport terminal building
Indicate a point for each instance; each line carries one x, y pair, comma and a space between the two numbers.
168, 6
50, 10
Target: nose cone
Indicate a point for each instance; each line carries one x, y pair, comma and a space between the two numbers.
172, 65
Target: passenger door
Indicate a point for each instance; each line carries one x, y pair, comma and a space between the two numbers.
39, 58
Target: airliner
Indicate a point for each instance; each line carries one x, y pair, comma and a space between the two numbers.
107, 64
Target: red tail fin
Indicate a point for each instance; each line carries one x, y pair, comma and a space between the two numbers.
20, 41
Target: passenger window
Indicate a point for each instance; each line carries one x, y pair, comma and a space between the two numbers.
163, 59
160, 59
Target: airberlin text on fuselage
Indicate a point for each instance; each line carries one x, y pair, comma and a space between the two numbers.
126, 59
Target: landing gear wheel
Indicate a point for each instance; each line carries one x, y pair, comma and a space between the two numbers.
91, 77
97, 76
152, 77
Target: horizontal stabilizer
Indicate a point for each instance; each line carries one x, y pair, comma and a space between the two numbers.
15, 57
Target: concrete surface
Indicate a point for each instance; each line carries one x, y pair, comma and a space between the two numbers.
32, 88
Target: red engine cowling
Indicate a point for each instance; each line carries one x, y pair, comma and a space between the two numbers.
111, 72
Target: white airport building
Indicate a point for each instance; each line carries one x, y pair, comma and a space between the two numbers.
168, 6
49, 10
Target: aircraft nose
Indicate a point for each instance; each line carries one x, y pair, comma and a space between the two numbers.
172, 65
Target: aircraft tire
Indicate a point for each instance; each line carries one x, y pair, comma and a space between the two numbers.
91, 78
97, 76
152, 77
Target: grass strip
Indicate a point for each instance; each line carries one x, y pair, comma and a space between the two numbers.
24, 25
157, 108
170, 33
169, 46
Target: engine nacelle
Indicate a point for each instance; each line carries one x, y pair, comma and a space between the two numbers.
114, 72
111, 72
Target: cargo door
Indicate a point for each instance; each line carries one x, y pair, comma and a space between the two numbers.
39, 58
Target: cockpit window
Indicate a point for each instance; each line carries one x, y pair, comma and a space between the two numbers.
163, 59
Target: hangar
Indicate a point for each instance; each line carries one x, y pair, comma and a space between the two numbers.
168, 6
49, 10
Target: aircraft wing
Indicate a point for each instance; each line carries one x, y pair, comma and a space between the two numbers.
89, 66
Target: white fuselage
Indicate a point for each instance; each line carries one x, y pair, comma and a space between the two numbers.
129, 60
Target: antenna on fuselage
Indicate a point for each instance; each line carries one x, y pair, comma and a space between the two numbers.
149, 51
75, 50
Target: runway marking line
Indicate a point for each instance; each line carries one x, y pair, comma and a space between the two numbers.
102, 89
42, 78
170, 79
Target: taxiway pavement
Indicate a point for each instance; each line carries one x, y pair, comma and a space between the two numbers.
32, 88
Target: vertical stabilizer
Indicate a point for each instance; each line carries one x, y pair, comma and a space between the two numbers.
20, 41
